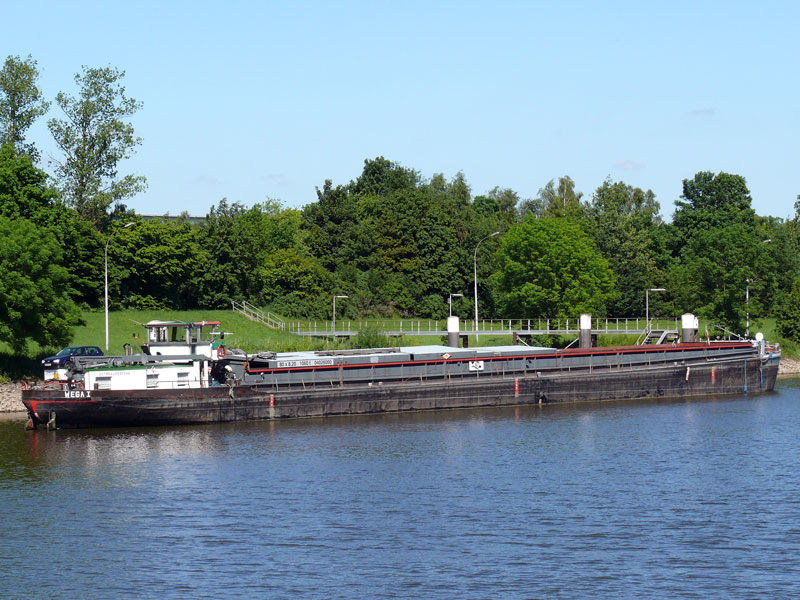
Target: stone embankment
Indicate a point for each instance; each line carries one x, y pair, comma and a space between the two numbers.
789, 366
11, 396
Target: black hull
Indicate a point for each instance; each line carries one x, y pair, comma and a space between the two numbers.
261, 402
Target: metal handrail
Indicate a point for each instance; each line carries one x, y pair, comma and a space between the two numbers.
254, 314
567, 326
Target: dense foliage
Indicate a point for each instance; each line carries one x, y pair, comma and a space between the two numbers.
788, 321
34, 287
551, 267
392, 241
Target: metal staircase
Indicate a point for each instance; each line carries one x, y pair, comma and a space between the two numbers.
269, 319
658, 336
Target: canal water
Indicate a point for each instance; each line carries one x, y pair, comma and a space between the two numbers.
658, 499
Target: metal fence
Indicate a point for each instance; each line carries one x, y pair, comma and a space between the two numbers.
534, 326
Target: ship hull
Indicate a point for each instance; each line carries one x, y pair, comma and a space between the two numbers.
126, 408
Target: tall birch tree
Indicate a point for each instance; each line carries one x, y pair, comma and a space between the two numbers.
95, 137
21, 102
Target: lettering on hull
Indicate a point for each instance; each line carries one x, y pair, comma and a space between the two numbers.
324, 362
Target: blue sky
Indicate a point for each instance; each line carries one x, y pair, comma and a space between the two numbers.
249, 100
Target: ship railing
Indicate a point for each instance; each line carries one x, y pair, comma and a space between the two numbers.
256, 314
160, 384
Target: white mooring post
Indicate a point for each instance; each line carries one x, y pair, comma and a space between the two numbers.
585, 335
689, 327
453, 332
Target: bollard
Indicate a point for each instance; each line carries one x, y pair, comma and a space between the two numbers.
689, 327
585, 335
452, 331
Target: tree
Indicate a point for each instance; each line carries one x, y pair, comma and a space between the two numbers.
223, 278
381, 177
417, 243
555, 201
499, 204
438, 273
331, 223
788, 315
269, 226
718, 244
25, 193
21, 102
397, 244
777, 266
295, 285
151, 265
624, 220
94, 139
23, 187
82, 250
550, 268
710, 200
711, 278
34, 289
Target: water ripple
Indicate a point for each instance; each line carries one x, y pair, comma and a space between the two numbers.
624, 500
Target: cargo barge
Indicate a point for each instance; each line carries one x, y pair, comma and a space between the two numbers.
183, 377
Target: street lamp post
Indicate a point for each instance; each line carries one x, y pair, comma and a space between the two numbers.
747, 297
647, 305
747, 304
450, 301
106, 278
475, 274
333, 325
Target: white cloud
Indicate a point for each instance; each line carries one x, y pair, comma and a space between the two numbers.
278, 178
629, 165
702, 113
208, 180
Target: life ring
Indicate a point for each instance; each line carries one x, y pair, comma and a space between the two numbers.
220, 351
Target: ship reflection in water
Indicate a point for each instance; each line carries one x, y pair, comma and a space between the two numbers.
622, 499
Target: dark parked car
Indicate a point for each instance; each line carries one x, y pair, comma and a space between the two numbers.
53, 364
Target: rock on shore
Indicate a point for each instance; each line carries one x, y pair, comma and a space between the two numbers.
11, 397
789, 366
